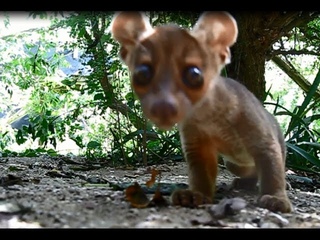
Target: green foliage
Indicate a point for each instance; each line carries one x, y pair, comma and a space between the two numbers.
98, 111
29, 153
95, 107
5, 140
310, 35
302, 134
182, 18
131, 138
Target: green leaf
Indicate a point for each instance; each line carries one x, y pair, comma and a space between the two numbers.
312, 159
52, 152
67, 82
93, 145
302, 109
99, 96
312, 144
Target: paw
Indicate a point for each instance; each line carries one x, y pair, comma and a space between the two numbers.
275, 203
188, 198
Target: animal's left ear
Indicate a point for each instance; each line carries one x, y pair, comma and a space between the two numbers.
218, 31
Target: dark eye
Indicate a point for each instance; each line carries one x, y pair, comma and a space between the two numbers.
142, 74
192, 77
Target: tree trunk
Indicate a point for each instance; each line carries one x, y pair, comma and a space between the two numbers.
258, 31
249, 53
248, 67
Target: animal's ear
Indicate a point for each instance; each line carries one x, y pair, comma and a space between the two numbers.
128, 28
218, 31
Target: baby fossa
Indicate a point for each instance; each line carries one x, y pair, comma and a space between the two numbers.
176, 75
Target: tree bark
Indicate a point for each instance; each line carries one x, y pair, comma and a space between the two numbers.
258, 31
248, 55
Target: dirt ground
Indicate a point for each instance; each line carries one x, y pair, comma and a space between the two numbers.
64, 192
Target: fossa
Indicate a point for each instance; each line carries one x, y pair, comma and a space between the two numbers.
175, 73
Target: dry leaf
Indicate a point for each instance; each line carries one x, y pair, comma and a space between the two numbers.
136, 196
158, 199
154, 173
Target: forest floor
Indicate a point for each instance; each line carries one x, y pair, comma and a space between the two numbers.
65, 192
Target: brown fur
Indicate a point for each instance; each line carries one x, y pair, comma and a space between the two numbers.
216, 116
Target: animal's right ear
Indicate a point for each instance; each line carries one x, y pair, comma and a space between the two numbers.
128, 28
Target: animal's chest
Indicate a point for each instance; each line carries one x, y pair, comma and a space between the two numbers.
220, 130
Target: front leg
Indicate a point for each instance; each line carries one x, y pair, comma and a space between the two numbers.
202, 171
271, 170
